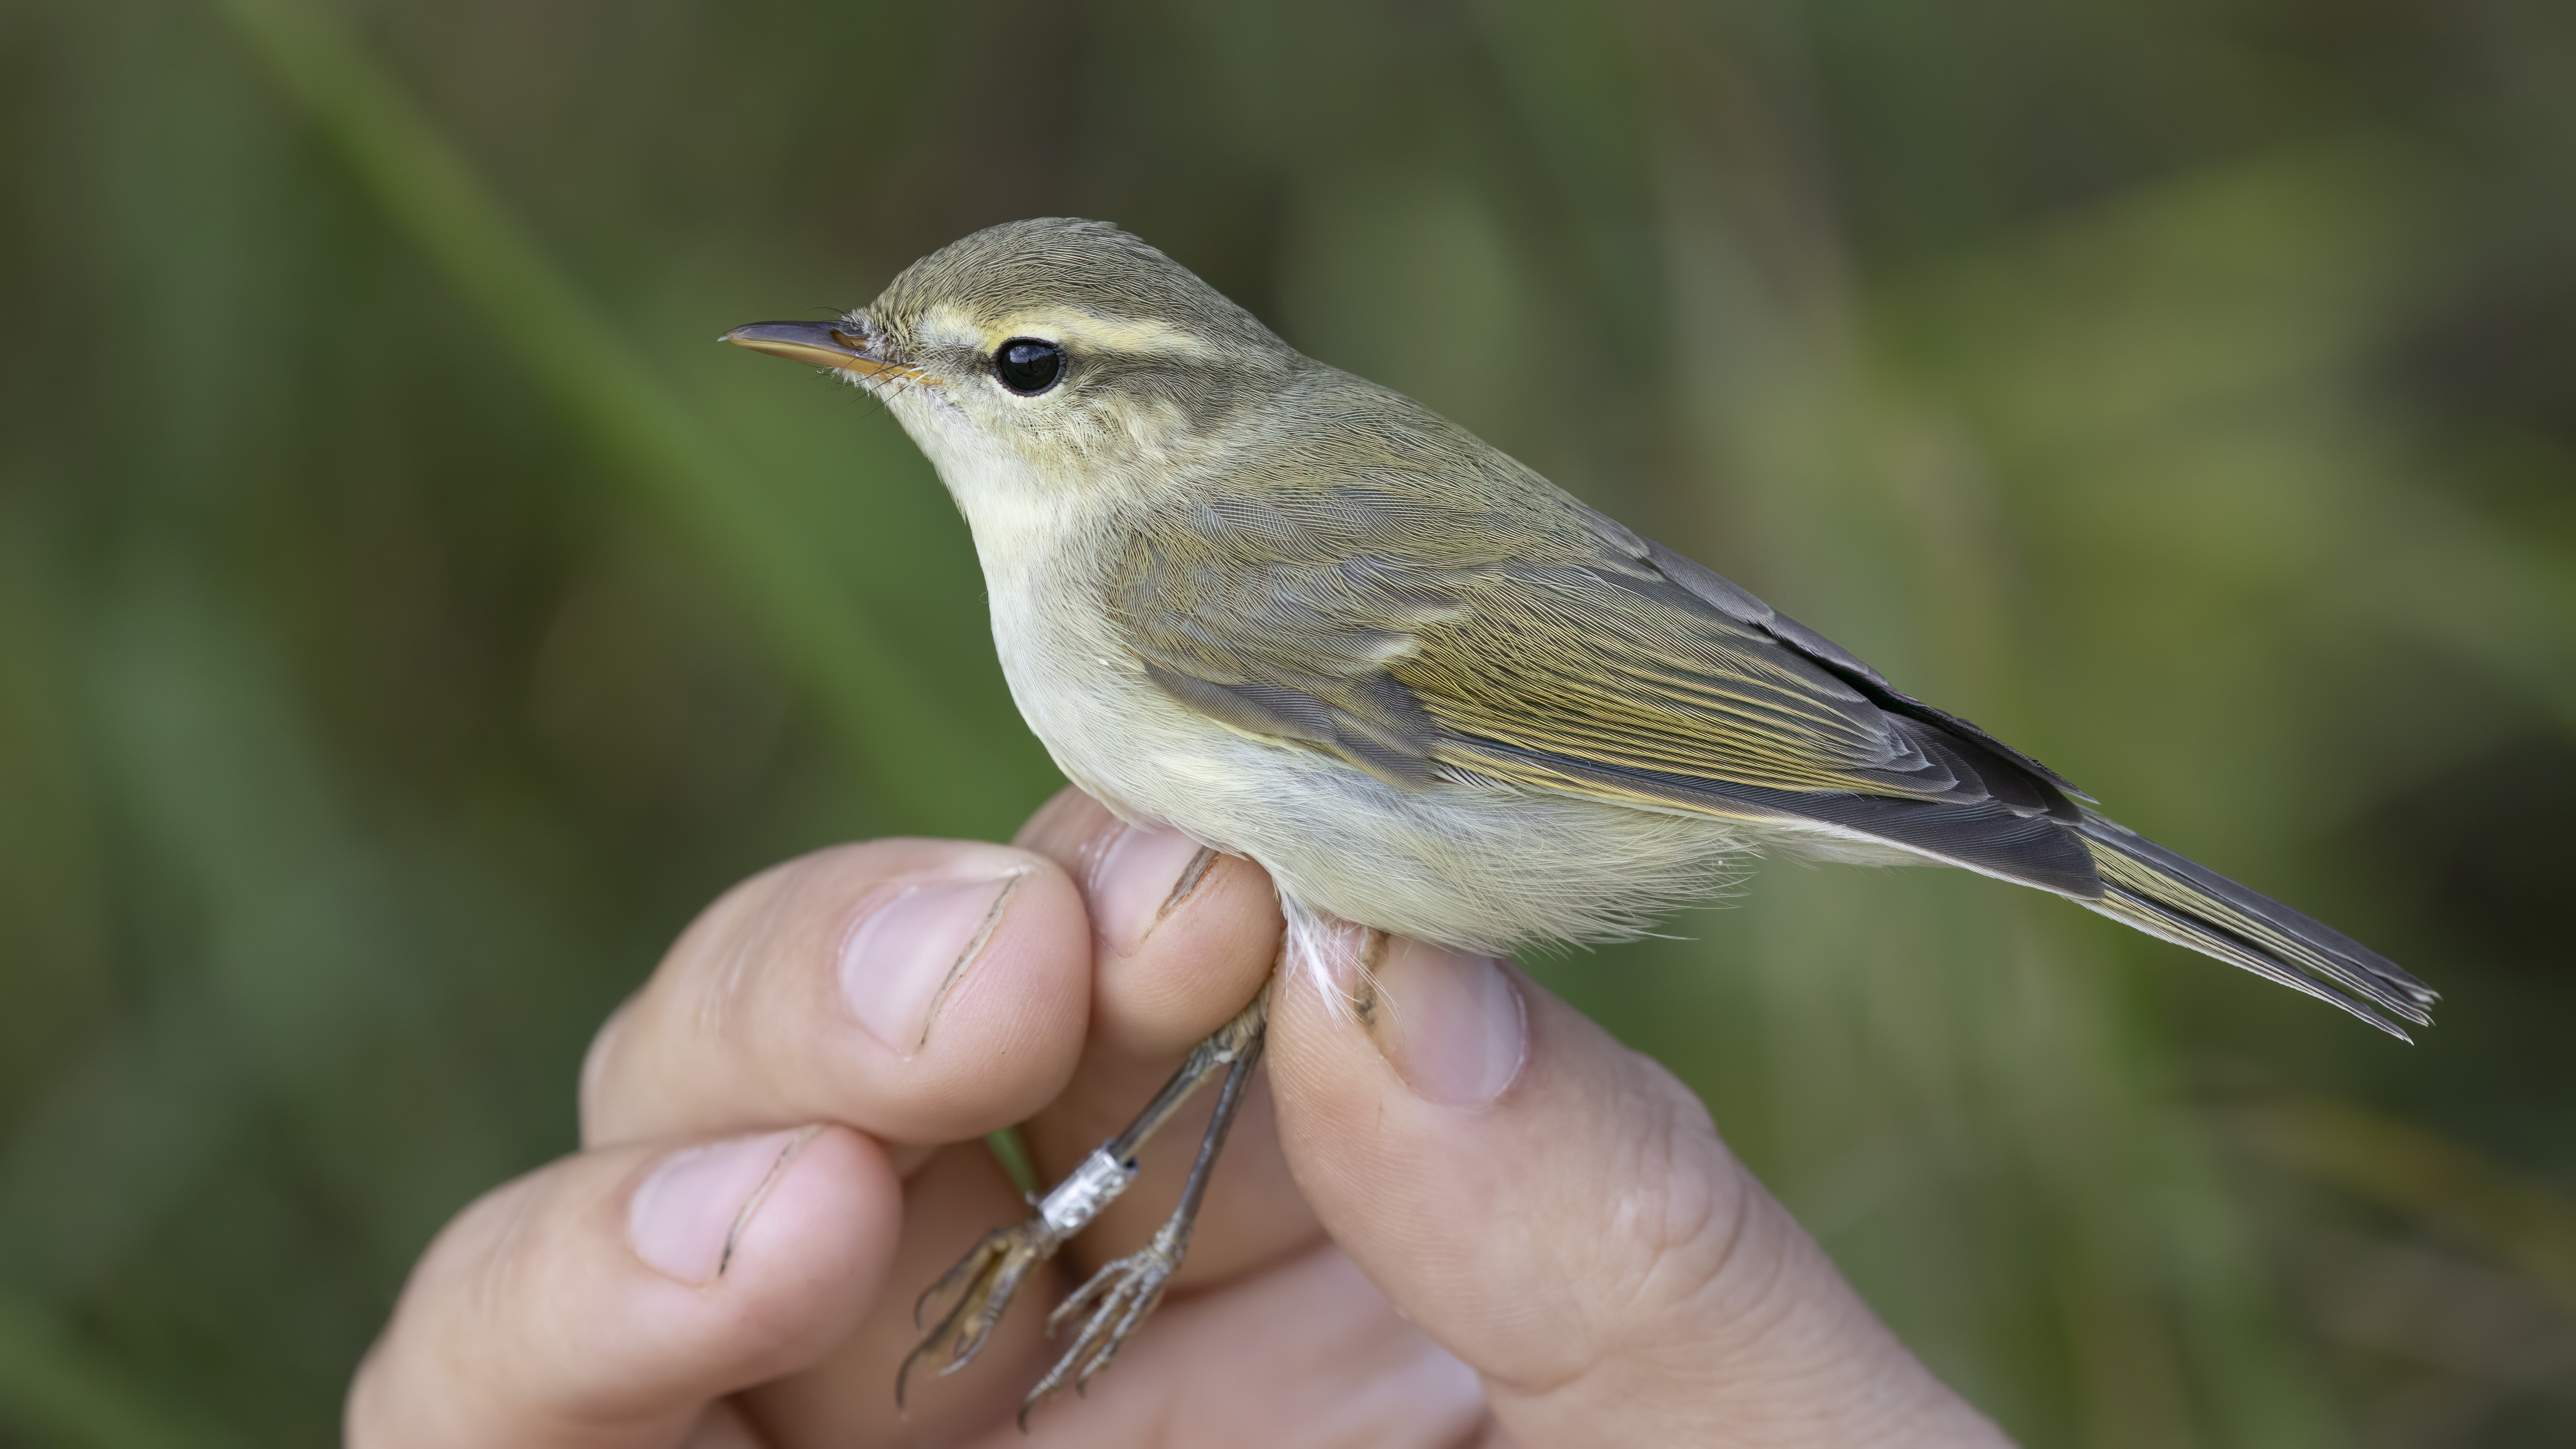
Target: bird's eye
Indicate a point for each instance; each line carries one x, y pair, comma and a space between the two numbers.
1027, 366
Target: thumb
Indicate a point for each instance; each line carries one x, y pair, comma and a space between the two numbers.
1559, 1212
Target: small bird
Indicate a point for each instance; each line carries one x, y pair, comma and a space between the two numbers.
1307, 621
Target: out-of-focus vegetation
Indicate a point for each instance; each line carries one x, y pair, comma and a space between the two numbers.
409, 617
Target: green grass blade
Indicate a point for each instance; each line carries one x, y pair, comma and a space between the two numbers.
927, 766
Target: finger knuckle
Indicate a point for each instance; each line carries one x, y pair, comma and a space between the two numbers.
1679, 1219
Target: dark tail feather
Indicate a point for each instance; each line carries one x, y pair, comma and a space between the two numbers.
2162, 894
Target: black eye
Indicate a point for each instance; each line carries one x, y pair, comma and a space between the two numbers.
1027, 366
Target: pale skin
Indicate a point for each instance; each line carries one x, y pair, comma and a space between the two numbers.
1466, 1216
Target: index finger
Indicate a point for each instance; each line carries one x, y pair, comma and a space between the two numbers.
924, 991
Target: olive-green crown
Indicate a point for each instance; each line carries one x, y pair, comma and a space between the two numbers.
1065, 261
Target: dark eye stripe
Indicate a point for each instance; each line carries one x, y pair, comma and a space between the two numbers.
1028, 366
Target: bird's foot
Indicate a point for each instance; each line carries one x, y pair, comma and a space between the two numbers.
1124, 1292
979, 1289
985, 1280
982, 1286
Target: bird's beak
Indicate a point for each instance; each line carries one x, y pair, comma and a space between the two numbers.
823, 344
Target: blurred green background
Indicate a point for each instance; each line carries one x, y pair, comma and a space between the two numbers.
409, 617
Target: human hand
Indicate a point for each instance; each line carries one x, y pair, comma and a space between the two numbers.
1464, 1215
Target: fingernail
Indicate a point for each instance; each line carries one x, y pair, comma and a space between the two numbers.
1452, 1026
1141, 876
910, 946
687, 1218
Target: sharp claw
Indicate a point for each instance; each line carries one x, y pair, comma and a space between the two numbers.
965, 1268
984, 1281
1121, 1295
1145, 1303
1091, 1288
903, 1376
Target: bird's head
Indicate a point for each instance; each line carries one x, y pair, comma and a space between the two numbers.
1057, 356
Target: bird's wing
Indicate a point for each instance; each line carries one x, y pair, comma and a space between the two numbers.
1380, 620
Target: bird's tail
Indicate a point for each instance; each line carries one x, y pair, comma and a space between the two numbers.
2162, 894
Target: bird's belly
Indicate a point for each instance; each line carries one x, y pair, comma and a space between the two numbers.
1478, 867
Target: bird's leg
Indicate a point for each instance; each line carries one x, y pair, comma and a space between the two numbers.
984, 1281
1128, 1289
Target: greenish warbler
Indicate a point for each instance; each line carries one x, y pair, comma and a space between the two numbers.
1305, 620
